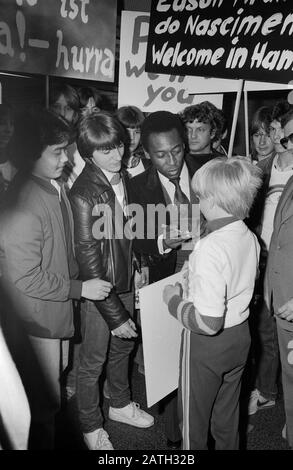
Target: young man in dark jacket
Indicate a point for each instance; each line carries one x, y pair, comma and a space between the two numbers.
104, 248
38, 267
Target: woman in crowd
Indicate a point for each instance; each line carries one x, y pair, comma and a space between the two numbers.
261, 142
64, 101
134, 159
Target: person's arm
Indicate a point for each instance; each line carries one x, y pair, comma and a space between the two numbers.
89, 256
205, 313
14, 408
187, 314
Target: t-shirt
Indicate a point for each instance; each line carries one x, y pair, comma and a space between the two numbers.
195, 161
222, 272
278, 181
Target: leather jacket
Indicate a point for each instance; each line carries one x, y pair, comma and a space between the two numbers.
106, 257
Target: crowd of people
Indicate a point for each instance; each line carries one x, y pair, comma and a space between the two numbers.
71, 266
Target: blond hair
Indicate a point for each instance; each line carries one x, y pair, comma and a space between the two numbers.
231, 183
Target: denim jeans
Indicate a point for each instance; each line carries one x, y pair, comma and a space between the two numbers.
97, 347
268, 360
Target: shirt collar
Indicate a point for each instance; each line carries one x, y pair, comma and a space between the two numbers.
216, 224
108, 174
277, 166
47, 184
57, 187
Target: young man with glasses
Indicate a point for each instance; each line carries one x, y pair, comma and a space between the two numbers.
277, 170
279, 277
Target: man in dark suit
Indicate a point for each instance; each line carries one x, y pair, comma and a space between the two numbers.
279, 277
165, 183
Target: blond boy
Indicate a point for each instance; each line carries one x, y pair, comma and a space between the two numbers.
222, 272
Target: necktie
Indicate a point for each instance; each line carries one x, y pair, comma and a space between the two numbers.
183, 206
179, 196
115, 179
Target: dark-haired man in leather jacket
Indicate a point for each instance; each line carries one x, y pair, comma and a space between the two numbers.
103, 245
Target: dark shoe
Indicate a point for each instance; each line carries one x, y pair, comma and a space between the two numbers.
173, 444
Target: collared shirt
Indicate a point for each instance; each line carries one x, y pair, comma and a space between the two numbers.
216, 224
278, 180
57, 187
117, 188
136, 170
170, 187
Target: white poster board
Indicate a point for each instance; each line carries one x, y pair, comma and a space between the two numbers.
161, 336
151, 92
197, 85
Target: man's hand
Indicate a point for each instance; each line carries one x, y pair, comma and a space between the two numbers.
170, 290
95, 289
173, 237
286, 311
141, 278
126, 331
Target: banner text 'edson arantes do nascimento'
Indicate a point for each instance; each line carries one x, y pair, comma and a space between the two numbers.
66, 38
248, 39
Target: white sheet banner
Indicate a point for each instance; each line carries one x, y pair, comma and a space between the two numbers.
161, 336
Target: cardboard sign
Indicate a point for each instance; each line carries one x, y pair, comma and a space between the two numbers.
151, 92
245, 39
215, 85
66, 38
161, 336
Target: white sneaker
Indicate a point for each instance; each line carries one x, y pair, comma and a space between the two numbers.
258, 402
97, 440
131, 414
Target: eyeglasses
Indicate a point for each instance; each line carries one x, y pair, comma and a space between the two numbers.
285, 140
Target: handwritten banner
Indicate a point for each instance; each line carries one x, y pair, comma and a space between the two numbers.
66, 38
248, 39
152, 92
